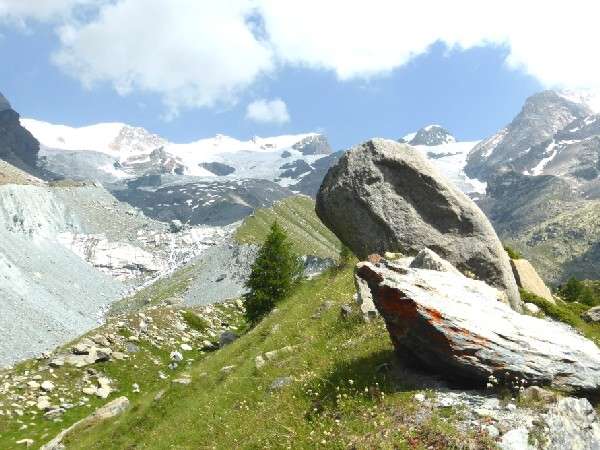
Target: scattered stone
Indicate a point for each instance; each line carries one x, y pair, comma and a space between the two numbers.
279, 383
57, 362
43, 403
227, 369
208, 346
135, 388
538, 394
592, 315
531, 308
89, 390
26, 442
47, 386
108, 411
185, 380
420, 397
176, 226
130, 347
455, 325
103, 392
364, 299
176, 356
34, 385
186, 347
119, 356
227, 337
385, 196
345, 312
259, 362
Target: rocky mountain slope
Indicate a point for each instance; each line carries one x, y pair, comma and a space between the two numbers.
17, 145
67, 252
542, 178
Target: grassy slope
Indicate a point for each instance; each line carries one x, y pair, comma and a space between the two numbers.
342, 394
297, 215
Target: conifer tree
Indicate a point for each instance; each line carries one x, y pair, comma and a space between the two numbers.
276, 269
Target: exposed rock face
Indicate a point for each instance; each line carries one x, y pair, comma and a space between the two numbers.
384, 196
456, 326
528, 279
426, 259
218, 168
431, 135
17, 145
542, 116
313, 145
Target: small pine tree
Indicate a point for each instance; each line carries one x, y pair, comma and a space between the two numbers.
276, 269
588, 296
572, 290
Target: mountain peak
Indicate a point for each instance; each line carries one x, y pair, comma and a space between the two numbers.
429, 135
4, 103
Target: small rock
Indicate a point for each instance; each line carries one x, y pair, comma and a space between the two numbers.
420, 397
89, 390
531, 308
227, 337
135, 388
345, 312
592, 314
57, 362
208, 346
492, 431
280, 383
130, 347
103, 392
511, 407
259, 362
119, 356
26, 442
176, 356
516, 439
227, 369
183, 380
47, 386
186, 347
43, 403
33, 385
538, 394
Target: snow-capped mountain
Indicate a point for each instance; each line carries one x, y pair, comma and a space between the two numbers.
448, 155
112, 152
430, 135
525, 145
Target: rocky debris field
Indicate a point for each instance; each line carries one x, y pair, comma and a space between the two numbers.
128, 355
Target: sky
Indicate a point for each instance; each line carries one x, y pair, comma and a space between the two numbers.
353, 69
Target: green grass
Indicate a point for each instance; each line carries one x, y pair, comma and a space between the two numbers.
163, 289
567, 312
194, 321
297, 216
346, 391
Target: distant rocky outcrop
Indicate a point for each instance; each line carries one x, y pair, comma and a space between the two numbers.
17, 146
516, 147
218, 168
429, 135
384, 196
457, 327
313, 145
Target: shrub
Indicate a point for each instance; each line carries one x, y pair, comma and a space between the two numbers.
345, 257
512, 253
557, 311
195, 322
274, 273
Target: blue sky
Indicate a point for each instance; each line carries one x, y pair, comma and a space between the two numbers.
471, 91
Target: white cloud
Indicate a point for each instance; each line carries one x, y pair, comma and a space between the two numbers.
268, 111
196, 53
19, 11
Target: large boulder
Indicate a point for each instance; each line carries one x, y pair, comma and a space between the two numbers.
385, 196
457, 327
528, 279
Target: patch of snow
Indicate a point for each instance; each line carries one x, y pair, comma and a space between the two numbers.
551, 151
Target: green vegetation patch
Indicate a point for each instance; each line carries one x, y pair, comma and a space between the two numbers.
328, 383
163, 289
297, 216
